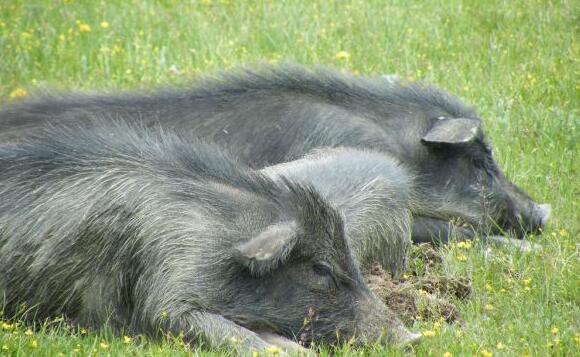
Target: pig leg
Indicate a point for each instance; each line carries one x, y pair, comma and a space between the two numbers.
285, 344
517, 244
217, 331
437, 231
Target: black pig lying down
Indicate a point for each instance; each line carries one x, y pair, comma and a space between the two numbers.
148, 232
372, 191
375, 194
280, 114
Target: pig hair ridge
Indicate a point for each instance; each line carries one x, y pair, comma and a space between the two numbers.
329, 85
321, 84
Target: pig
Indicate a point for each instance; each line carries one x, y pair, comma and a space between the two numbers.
148, 231
375, 193
371, 190
279, 114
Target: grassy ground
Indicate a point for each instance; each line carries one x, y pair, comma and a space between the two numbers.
516, 61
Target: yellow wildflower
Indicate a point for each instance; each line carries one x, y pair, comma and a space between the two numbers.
488, 307
447, 354
342, 55
464, 245
428, 333
84, 27
554, 330
127, 339
4, 348
486, 353
18, 93
273, 350
34, 344
563, 232
104, 345
500, 346
255, 354
77, 350
28, 332
461, 258
83, 331
104, 25
488, 288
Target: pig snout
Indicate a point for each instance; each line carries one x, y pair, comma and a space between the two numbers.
395, 334
406, 338
381, 325
533, 219
543, 212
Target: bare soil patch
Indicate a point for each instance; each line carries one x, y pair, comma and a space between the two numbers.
424, 292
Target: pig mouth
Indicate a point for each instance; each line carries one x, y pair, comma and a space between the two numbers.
483, 215
530, 221
516, 225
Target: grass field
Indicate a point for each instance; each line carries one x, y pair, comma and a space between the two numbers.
516, 61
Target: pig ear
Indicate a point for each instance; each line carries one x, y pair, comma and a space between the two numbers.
455, 131
264, 253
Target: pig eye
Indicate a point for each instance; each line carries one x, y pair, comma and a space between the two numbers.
325, 271
322, 269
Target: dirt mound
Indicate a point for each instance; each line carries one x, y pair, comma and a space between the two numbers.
423, 292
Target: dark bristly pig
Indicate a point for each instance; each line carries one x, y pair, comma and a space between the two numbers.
375, 193
279, 114
149, 232
371, 190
